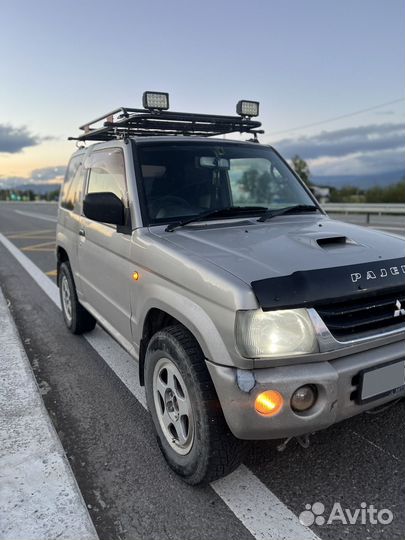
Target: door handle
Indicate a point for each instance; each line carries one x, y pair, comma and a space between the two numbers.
82, 232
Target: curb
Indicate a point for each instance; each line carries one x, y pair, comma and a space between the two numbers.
39, 495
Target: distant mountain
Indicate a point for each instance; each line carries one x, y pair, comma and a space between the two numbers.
362, 181
40, 188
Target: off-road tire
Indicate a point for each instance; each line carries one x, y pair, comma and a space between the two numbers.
215, 452
80, 320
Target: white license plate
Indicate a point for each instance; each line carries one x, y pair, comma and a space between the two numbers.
382, 380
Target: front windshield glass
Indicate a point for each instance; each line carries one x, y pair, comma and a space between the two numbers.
183, 180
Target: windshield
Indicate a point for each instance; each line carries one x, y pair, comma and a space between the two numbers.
183, 180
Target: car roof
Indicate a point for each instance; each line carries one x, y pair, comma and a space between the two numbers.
178, 139
188, 138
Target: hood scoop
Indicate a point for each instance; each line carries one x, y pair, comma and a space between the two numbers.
330, 242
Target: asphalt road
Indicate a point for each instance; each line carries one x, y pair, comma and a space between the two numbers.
106, 432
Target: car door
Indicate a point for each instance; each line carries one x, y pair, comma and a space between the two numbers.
69, 212
103, 253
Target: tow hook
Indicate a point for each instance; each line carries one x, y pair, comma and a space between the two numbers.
303, 440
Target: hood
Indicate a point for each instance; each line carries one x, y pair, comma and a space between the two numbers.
283, 245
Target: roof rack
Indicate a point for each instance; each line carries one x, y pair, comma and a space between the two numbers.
128, 122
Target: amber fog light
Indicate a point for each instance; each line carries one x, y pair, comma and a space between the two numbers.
269, 402
304, 398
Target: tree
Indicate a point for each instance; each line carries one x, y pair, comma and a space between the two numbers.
347, 194
300, 166
393, 193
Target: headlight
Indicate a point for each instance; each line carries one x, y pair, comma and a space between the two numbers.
274, 333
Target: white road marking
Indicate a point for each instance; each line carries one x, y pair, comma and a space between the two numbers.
123, 365
54, 219
260, 511
37, 275
39, 496
115, 356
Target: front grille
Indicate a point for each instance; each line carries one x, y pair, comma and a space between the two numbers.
370, 314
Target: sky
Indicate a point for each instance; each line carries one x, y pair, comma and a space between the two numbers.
306, 61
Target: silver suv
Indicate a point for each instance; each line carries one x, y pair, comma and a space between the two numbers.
251, 313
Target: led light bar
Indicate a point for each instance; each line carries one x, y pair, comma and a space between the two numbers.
155, 100
247, 108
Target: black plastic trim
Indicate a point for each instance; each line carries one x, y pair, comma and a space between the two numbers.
307, 288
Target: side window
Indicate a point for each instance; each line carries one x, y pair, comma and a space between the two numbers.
75, 190
71, 173
107, 173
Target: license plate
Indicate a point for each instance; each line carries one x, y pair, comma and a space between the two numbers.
382, 381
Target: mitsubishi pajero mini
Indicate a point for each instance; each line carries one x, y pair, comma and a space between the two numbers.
251, 314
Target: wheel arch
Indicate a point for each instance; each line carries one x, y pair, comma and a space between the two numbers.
61, 257
156, 319
185, 311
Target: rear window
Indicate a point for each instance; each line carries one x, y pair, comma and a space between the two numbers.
73, 185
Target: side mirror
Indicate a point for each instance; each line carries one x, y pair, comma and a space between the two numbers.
104, 207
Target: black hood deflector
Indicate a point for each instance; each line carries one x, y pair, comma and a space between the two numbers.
313, 287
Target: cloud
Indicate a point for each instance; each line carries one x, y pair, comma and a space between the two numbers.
370, 149
367, 163
371, 138
46, 175
14, 139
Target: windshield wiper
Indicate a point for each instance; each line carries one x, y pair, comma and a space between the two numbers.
227, 211
295, 209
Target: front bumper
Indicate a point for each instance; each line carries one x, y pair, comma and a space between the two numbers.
336, 382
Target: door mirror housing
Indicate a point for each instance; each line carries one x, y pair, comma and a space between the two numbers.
104, 207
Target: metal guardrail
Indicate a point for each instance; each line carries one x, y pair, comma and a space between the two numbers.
367, 209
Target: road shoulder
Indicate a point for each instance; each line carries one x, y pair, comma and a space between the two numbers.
39, 497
